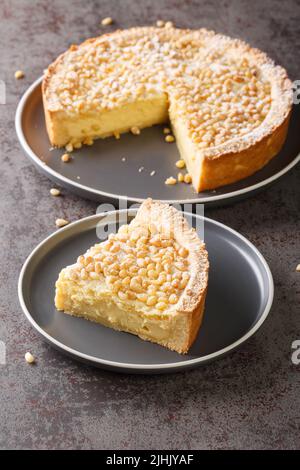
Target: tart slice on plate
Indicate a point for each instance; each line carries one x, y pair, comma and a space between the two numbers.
149, 279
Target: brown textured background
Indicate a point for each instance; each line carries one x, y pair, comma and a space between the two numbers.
251, 399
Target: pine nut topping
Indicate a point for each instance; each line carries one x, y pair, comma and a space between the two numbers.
170, 138
224, 96
173, 299
161, 305
138, 264
152, 300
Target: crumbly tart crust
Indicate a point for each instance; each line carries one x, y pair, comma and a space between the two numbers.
228, 103
149, 279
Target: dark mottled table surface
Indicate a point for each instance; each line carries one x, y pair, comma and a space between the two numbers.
250, 399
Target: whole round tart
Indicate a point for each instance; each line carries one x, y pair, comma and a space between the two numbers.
228, 104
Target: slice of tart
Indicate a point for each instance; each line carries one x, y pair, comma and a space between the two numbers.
229, 104
149, 279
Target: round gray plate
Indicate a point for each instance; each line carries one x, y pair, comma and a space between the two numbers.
239, 298
98, 172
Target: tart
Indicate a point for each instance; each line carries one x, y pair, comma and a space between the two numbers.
149, 279
228, 104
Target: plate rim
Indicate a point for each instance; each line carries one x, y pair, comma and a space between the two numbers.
135, 368
64, 181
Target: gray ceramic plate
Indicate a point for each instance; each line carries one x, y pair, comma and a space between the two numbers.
98, 172
240, 295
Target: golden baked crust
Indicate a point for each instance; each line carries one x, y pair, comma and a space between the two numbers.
150, 279
228, 103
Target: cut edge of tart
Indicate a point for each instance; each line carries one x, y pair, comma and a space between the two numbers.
228, 103
149, 279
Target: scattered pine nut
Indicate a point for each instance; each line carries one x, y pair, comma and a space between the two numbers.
187, 178
141, 169
61, 223
169, 138
171, 180
54, 192
180, 163
167, 130
152, 173
107, 21
135, 130
123, 159
29, 358
19, 74
160, 23
298, 268
65, 158
180, 178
